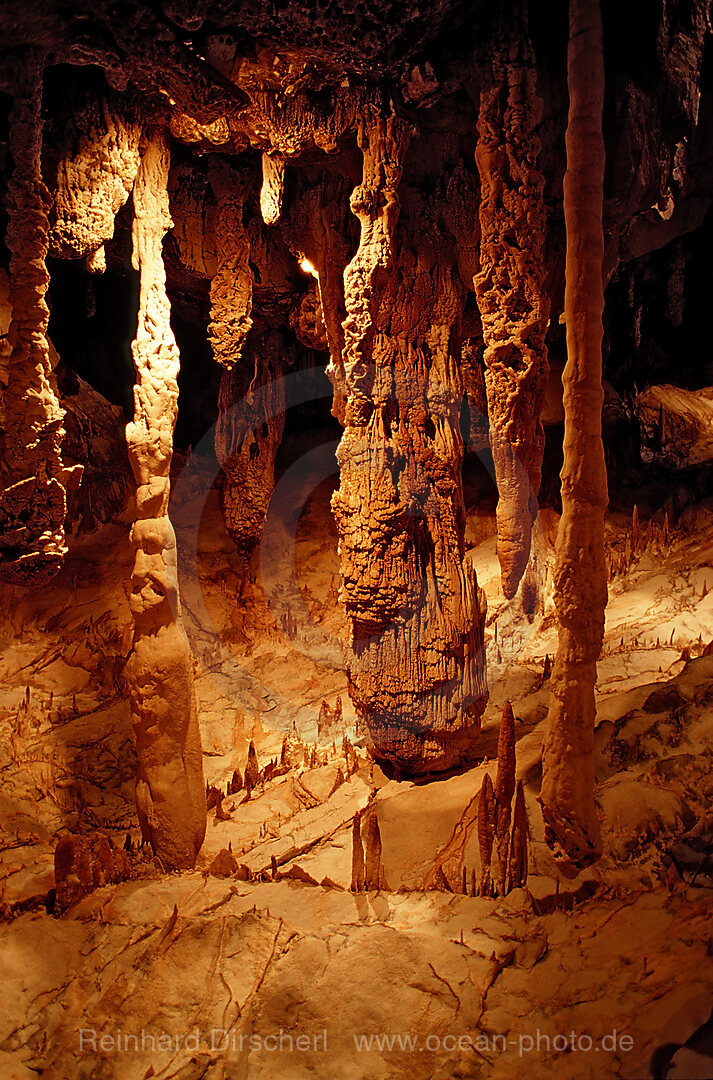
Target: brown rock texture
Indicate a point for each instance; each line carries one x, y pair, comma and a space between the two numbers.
510, 288
33, 480
170, 790
570, 815
415, 664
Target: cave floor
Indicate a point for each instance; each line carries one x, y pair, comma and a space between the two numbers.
485, 987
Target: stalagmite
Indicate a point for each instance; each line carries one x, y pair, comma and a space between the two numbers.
372, 857
510, 287
33, 480
170, 793
517, 861
273, 187
486, 834
416, 671
570, 815
357, 882
252, 768
504, 790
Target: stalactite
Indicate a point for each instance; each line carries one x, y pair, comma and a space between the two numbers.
170, 792
571, 822
273, 187
251, 418
231, 288
504, 790
510, 289
33, 480
95, 176
415, 664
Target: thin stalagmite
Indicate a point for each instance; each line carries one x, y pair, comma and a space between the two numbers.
570, 814
170, 790
504, 790
486, 834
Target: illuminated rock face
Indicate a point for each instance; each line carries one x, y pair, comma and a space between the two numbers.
416, 669
170, 791
33, 479
571, 820
510, 287
94, 179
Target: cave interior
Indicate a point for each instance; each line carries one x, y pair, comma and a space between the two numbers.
356, 539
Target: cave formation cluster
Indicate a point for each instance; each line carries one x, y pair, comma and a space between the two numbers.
453, 234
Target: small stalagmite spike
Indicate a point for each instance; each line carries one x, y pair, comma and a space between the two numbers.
464, 882
704, 590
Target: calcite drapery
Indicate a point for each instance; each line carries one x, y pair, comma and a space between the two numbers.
415, 666
570, 815
510, 289
33, 479
170, 790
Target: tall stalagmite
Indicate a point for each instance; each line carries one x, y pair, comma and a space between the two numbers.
33, 480
510, 288
570, 815
416, 672
170, 790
